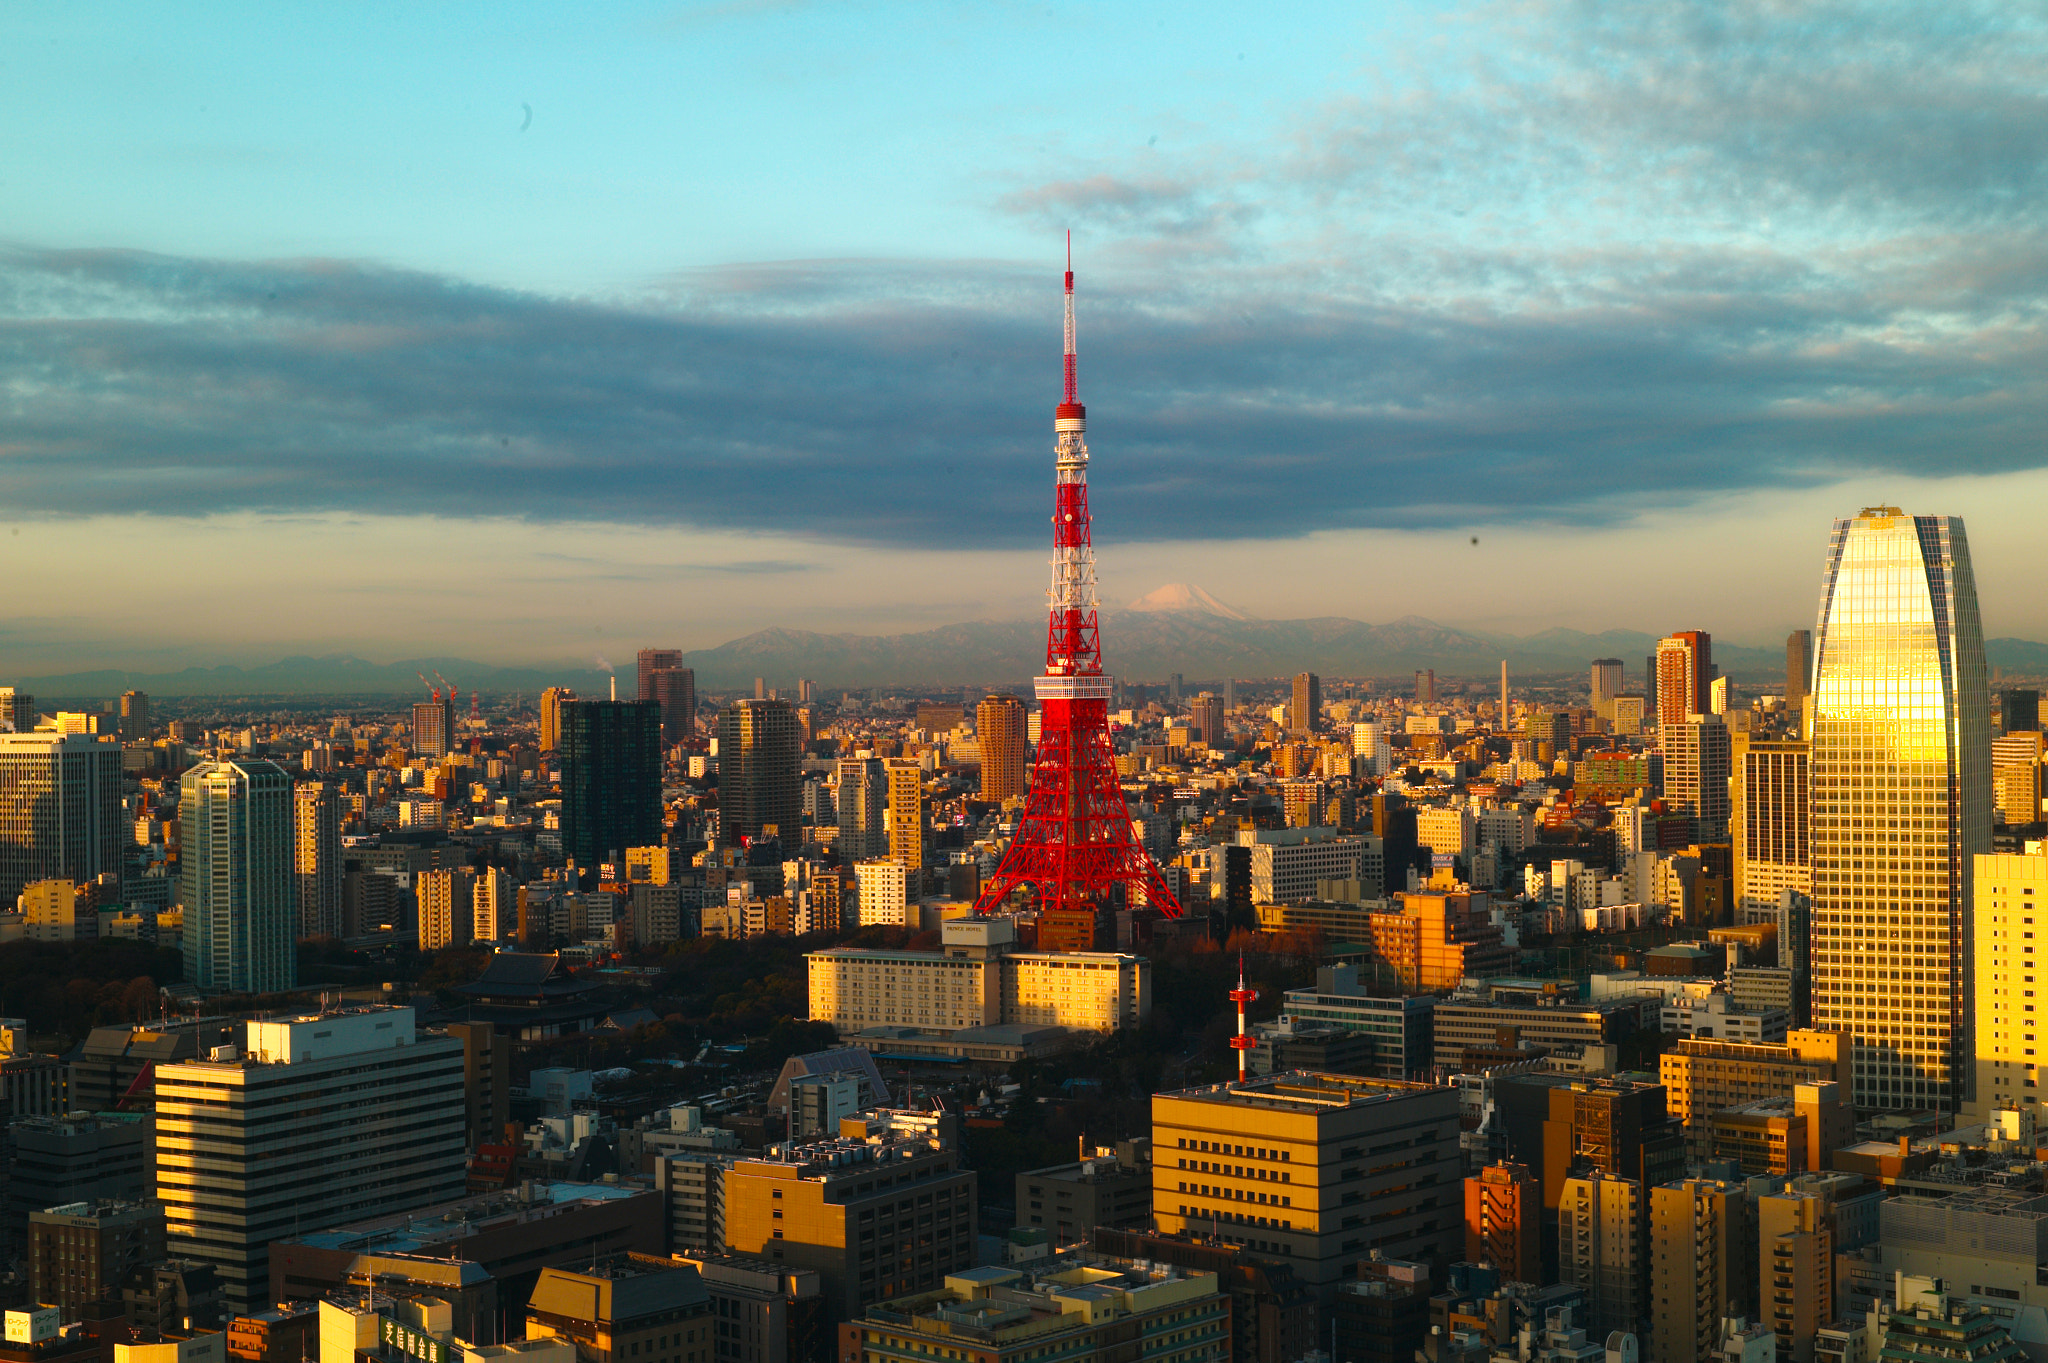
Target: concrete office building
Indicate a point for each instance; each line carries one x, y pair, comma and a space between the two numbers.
1461, 1024
311, 1118
622, 1307
1286, 863
977, 980
1108, 1188
496, 1243
1281, 1165
1988, 1242
1400, 1029
1893, 915
1701, 1076
611, 779
82, 1251
873, 1218
238, 882
316, 858
60, 809
763, 1312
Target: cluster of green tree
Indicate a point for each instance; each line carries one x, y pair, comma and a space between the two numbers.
65, 989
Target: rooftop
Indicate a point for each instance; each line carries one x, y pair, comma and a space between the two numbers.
1302, 1091
418, 1230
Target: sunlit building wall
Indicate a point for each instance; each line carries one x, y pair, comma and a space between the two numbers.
1901, 784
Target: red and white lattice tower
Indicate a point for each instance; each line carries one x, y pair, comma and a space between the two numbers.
1073, 845
1244, 1043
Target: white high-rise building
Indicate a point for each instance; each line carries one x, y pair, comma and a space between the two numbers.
306, 1122
1901, 804
241, 905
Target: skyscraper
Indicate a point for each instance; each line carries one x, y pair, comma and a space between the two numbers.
241, 916
651, 661
1207, 715
1696, 759
433, 726
1798, 666
134, 715
2019, 710
551, 701
1425, 686
758, 786
611, 778
1005, 752
447, 902
1306, 709
1901, 760
675, 691
316, 858
1769, 814
906, 813
1685, 665
862, 801
1606, 680
60, 809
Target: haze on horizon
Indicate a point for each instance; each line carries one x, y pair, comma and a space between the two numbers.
479, 331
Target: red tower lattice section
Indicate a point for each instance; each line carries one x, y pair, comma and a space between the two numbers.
1073, 845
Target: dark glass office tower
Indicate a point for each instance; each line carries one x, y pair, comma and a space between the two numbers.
610, 752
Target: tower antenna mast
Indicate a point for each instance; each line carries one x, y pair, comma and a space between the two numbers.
1073, 847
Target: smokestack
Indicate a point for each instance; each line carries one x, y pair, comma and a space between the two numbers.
615, 686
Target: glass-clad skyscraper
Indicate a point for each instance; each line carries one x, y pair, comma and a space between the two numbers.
1901, 791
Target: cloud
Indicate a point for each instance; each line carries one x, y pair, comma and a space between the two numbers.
1558, 264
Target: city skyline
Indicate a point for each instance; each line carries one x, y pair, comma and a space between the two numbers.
1681, 303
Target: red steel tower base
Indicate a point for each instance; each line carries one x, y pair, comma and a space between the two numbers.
1073, 846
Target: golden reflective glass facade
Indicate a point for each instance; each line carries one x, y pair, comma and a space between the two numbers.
1901, 791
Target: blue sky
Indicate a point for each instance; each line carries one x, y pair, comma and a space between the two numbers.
753, 321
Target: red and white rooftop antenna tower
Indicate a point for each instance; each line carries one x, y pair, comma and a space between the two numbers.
1244, 1043
1073, 845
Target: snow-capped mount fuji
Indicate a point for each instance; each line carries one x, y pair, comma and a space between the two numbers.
1183, 596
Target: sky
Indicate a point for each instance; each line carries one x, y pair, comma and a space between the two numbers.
480, 330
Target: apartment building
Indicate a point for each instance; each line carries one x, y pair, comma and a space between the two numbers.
1703, 1076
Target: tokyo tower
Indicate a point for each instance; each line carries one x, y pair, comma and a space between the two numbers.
1073, 845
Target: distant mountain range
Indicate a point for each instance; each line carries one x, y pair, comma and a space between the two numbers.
1178, 628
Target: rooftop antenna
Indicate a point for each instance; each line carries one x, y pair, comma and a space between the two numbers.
1243, 1043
